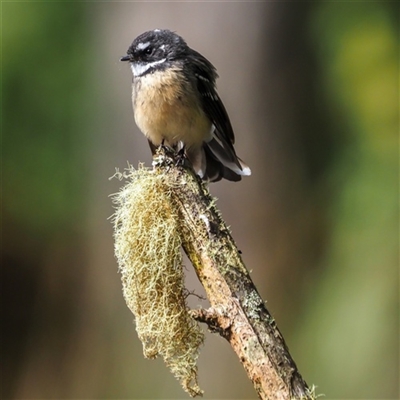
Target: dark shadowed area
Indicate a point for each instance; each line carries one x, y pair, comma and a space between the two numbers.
312, 92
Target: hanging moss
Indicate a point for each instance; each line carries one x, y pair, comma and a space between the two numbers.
148, 250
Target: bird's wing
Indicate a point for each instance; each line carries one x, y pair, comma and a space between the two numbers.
224, 138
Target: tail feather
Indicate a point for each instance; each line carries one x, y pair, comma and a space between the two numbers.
230, 165
212, 162
215, 170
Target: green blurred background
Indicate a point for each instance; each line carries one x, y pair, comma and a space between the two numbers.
313, 93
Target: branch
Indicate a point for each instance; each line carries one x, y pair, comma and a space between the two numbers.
157, 212
237, 311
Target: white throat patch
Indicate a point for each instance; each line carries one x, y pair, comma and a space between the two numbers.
139, 68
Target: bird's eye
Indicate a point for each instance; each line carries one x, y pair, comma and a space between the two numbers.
148, 50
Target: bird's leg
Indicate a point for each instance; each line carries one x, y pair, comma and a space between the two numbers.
163, 146
176, 152
180, 156
167, 150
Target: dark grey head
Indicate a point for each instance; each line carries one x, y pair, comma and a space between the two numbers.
155, 50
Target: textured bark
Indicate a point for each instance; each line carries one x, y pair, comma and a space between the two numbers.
237, 311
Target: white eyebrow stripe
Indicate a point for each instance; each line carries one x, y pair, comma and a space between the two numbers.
139, 69
142, 46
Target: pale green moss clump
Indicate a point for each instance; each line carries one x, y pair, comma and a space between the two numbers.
148, 250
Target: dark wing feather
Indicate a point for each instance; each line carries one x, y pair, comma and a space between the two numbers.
212, 104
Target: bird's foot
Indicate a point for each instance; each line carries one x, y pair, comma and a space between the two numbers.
180, 158
166, 150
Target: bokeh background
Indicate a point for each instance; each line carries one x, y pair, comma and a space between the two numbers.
313, 93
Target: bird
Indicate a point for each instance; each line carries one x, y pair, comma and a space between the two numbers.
176, 104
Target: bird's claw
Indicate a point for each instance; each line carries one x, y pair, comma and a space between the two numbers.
180, 158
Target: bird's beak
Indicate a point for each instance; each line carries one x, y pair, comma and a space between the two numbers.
124, 58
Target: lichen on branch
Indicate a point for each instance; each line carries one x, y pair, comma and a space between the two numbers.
148, 250
158, 212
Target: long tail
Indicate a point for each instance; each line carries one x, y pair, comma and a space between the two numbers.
223, 163
212, 162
